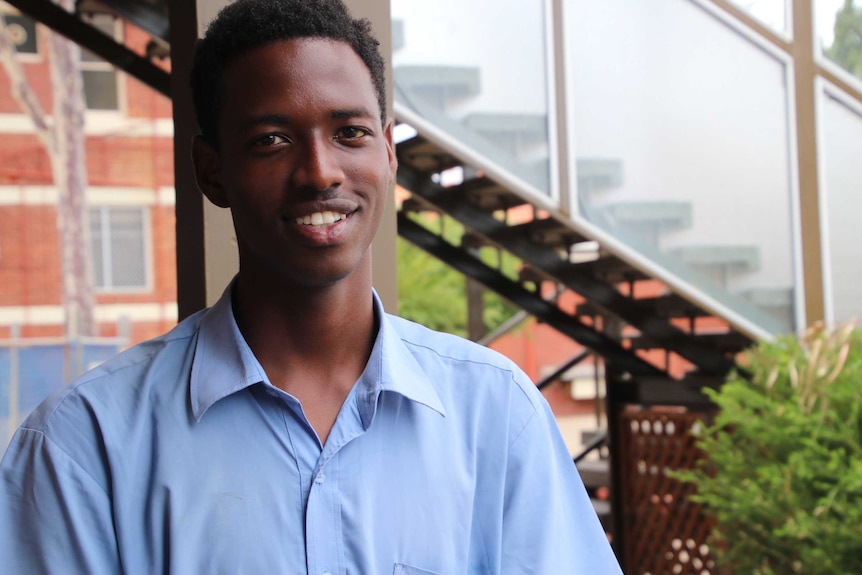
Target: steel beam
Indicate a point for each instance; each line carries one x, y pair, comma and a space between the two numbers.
545, 311
597, 291
81, 33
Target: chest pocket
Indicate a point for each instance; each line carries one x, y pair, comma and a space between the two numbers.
402, 569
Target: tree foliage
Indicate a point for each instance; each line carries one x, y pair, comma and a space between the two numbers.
782, 473
435, 295
846, 49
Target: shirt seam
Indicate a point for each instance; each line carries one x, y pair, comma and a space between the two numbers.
524, 427
68, 456
460, 359
500, 368
76, 385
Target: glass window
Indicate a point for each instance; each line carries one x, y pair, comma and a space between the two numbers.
772, 13
682, 142
22, 31
118, 239
840, 151
100, 89
839, 29
456, 65
100, 78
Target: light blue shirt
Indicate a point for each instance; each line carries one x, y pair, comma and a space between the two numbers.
178, 456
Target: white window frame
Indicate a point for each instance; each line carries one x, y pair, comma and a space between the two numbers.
105, 211
103, 66
26, 57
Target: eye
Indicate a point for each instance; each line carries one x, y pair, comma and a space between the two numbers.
352, 134
268, 140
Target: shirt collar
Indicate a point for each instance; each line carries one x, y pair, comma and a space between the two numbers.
224, 364
393, 368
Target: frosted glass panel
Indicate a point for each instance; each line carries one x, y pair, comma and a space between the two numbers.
681, 136
477, 70
772, 13
841, 150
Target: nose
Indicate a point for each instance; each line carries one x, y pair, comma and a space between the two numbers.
317, 166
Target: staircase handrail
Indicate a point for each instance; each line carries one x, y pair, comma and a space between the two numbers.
596, 442
613, 245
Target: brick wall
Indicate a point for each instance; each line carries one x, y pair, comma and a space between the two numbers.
29, 243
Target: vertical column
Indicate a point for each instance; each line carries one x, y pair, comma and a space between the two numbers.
385, 270
805, 71
206, 246
558, 78
614, 404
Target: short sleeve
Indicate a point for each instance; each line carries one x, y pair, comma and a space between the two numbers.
54, 517
549, 524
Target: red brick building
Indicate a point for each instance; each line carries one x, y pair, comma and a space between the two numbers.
130, 197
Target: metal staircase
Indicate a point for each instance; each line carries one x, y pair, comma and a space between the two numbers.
544, 245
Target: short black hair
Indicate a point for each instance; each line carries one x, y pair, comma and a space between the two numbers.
248, 24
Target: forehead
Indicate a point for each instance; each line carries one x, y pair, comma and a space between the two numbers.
302, 71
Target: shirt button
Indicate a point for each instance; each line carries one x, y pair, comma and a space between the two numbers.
320, 478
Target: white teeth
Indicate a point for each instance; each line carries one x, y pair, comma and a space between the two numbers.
320, 219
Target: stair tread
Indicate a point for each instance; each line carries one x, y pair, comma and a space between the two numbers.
545, 232
488, 195
610, 268
595, 472
425, 156
744, 257
730, 341
601, 506
665, 214
670, 305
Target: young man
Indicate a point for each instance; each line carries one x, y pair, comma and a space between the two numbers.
295, 427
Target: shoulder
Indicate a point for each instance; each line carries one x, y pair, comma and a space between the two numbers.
117, 384
423, 341
460, 367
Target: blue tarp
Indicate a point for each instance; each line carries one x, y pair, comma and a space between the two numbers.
44, 368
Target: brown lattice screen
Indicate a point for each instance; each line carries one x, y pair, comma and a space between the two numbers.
663, 532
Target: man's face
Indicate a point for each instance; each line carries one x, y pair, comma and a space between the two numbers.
304, 163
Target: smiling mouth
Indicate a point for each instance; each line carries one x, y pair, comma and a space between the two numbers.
321, 219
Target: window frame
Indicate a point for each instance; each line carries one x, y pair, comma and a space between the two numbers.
146, 234
101, 66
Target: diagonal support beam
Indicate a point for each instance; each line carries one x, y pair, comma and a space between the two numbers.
546, 312
563, 369
81, 33
450, 200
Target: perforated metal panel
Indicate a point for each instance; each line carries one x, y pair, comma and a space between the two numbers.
664, 532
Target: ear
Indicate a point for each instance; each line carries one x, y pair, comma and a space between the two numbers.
207, 163
390, 151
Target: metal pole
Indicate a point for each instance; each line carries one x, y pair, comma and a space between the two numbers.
560, 130
14, 375
613, 378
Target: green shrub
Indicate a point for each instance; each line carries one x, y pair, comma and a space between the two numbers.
782, 473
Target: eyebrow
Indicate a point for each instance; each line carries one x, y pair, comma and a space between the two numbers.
283, 120
351, 113
268, 120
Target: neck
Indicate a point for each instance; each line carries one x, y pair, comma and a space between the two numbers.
308, 334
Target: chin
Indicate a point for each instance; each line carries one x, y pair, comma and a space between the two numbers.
321, 276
